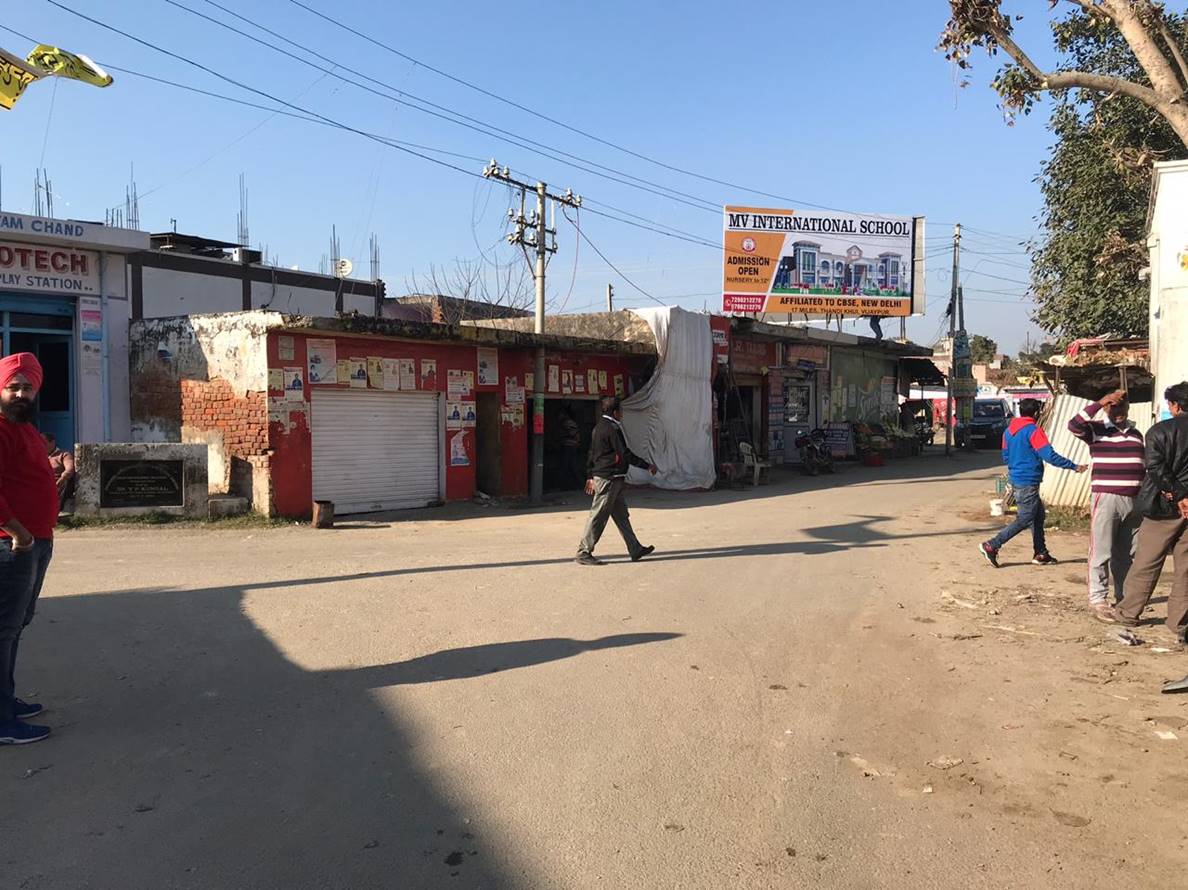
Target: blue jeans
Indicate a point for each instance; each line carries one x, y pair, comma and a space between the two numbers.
1031, 513
21, 577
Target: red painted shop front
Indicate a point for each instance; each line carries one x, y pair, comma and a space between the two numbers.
482, 398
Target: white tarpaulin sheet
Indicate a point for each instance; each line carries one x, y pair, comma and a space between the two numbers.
669, 421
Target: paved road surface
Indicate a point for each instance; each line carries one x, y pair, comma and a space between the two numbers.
451, 702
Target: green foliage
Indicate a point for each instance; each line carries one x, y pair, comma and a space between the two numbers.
1095, 185
982, 349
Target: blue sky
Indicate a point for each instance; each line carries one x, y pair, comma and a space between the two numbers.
843, 104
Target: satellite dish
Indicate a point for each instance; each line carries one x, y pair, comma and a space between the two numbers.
343, 268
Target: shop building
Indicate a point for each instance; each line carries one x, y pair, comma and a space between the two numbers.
372, 414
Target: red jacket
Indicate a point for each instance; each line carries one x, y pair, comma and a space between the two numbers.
28, 492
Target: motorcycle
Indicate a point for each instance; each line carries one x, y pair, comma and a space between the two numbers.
815, 453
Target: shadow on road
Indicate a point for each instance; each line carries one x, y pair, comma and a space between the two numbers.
189, 752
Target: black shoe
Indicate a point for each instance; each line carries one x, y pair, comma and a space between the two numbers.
1044, 559
588, 559
990, 554
642, 552
17, 732
27, 709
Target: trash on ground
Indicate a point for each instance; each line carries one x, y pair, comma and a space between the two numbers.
949, 598
1180, 685
927, 789
1166, 734
1125, 637
946, 762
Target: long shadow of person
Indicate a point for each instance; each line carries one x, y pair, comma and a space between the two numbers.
197, 755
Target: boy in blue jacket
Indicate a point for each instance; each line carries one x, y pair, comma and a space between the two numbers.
1025, 448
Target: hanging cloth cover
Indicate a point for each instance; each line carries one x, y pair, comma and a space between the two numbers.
670, 420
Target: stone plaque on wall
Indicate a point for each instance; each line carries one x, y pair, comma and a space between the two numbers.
141, 483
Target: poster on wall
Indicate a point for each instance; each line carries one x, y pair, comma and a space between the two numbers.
286, 349
514, 393
276, 380
391, 374
343, 371
619, 390
321, 357
408, 374
602, 380
458, 453
428, 373
554, 378
592, 379
90, 319
454, 415
375, 372
456, 384
488, 367
357, 368
469, 416
821, 262
579, 383
566, 382
530, 381
294, 385
469, 375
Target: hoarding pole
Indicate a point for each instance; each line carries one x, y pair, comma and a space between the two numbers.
952, 340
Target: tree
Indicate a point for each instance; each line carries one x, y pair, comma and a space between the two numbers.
982, 349
462, 293
1096, 186
1143, 25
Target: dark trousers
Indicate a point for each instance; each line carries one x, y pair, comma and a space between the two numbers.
572, 471
1031, 513
1158, 539
21, 577
610, 502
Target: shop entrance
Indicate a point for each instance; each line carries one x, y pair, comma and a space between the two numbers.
488, 445
45, 328
565, 464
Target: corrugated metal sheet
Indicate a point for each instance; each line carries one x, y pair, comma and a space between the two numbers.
1063, 488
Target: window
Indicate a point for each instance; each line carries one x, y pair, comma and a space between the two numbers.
808, 267
882, 273
893, 278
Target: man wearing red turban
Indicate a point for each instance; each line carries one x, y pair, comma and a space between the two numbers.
28, 514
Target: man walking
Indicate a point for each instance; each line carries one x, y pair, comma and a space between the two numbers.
1025, 449
28, 514
607, 482
1163, 502
1116, 452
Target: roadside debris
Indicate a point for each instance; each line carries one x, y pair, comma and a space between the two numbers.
1180, 685
946, 762
1125, 637
1166, 734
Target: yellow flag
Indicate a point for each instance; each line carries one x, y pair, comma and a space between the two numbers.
15, 75
64, 64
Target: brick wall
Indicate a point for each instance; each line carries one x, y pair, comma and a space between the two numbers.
211, 407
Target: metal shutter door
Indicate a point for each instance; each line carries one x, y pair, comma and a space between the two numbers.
375, 450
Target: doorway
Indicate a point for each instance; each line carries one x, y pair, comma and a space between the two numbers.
47, 332
488, 445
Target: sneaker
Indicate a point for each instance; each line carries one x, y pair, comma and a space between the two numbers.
989, 553
646, 551
1044, 559
1104, 613
18, 732
588, 559
27, 709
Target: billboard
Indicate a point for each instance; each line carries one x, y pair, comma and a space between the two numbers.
817, 263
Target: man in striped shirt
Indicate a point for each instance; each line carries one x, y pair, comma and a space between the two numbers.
1116, 450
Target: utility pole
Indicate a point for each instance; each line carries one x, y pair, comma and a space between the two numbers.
540, 240
610, 298
952, 339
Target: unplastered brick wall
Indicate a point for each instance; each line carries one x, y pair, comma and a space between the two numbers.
238, 424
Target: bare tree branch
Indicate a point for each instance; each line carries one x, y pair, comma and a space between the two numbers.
1175, 51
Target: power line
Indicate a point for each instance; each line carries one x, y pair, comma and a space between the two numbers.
594, 247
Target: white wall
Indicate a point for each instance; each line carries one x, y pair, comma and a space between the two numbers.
292, 300
1169, 278
364, 304
168, 293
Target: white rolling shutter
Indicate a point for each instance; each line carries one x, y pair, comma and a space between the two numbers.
375, 450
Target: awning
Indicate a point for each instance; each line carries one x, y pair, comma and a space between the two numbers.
922, 372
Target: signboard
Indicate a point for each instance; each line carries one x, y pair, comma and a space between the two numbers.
818, 263
38, 267
839, 436
141, 483
90, 319
84, 234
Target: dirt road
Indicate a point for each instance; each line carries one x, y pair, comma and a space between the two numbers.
816, 684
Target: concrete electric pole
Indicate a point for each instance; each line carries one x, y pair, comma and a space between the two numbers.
544, 240
610, 298
952, 339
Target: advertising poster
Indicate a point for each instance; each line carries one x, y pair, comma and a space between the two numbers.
294, 385
458, 453
554, 378
566, 382
530, 381
821, 262
538, 414
602, 381
619, 389
454, 415
469, 415
321, 357
276, 380
375, 372
344, 371
428, 373
469, 375
514, 394
592, 380
408, 374
456, 384
286, 348
488, 367
90, 319
391, 374
357, 371
579, 383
